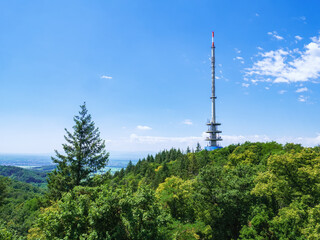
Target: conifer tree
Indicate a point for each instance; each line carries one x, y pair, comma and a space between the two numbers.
84, 154
198, 149
188, 150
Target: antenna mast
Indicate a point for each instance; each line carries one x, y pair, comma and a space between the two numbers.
212, 125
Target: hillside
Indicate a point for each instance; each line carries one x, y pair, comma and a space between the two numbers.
21, 205
248, 191
36, 178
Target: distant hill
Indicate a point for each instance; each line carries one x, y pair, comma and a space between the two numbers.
43, 169
36, 175
36, 178
24, 160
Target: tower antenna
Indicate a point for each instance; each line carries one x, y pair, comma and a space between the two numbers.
213, 131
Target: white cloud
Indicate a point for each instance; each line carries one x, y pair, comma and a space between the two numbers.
304, 89
157, 139
302, 98
303, 18
260, 48
157, 143
288, 66
140, 143
267, 88
187, 122
239, 58
275, 35
298, 38
105, 77
257, 15
234, 139
282, 91
237, 50
139, 127
245, 85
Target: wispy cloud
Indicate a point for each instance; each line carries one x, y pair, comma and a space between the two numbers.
234, 139
275, 35
303, 18
227, 139
245, 85
140, 143
105, 77
157, 139
187, 122
288, 66
239, 58
143, 128
257, 15
282, 91
304, 89
298, 38
302, 98
237, 50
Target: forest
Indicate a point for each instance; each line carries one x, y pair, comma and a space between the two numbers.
242, 191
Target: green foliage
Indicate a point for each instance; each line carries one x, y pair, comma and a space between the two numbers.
6, 233
248, 191
175, 195
225, 199
3, 189
258, 226
190, 231
85, 155
21, 206
290, 221
35, 178
100, 213
290, 176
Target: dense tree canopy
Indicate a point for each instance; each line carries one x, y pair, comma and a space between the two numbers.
248, 191
3, 188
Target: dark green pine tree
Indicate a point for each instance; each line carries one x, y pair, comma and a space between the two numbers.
198, 149
84, 154
188, 150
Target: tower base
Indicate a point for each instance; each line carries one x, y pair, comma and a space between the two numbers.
212, 148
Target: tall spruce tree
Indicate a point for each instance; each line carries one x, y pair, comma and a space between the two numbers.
198, 148
84, 154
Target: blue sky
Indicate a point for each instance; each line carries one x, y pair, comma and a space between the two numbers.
143, 69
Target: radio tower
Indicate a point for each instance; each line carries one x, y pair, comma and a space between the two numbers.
212, 125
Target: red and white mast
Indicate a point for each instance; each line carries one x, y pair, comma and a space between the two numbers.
212, 125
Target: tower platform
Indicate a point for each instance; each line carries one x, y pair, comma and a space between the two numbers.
211, 148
